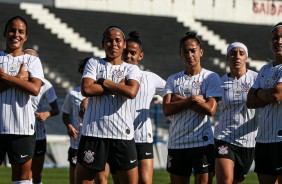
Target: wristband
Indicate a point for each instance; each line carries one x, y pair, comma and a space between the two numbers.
256, 91
101, 81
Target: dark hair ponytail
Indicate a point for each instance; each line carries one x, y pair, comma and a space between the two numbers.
190, 35
134, 37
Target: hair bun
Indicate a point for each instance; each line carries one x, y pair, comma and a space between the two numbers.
134, 34
191, 34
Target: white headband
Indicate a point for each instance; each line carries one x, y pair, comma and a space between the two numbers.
277, 25
236, 44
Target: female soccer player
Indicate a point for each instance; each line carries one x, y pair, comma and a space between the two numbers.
150, 85
73, 122
266, 94
236, 131
190, 96
108, 131
21, 75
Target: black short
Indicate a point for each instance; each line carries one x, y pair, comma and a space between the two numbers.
20, 148
268, 158
72, 156
144, 151
93, 153
182, 161
242, 157
40, 147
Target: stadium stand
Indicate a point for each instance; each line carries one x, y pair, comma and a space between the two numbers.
254, 36
58, 57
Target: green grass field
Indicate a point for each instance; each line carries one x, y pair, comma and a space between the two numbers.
60, 176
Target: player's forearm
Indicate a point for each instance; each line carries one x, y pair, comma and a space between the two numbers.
171, 108
204, 108
3, 86
92, 90
271, 95
66, 119
29, 87
121, 89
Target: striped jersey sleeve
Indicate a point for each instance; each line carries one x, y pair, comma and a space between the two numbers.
46, 95
17, 114
150, 85
109, 116
188, 128
71, 106
237, 123
269, 117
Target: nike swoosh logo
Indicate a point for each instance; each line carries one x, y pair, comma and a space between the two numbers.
23, 156
41, 151
148, 153
206, 165
278, 168
132, 161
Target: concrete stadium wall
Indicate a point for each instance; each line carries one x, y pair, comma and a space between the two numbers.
262, 12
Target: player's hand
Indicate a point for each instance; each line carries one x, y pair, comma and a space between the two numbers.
23, 74
198, 99
42, 116
72, 131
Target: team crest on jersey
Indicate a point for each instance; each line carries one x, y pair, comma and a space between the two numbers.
118, 73
169, 158
246, 86
88, 156
196, 84
267, 82
12, 68
223, 150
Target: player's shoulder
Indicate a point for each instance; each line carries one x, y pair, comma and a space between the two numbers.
252, 73
75, 91
210, 75
176, 75
96, 60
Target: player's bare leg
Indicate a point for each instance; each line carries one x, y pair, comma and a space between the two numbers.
205, 178
84, 175
21, 171
72, 174
224, 170
102, 177
176, 179
145, 171
37, 168
128, 176
267, 179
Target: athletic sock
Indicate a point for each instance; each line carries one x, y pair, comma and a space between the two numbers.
22, 182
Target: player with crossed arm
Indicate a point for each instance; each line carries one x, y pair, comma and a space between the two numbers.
266, 94
108, 131
189, 98
73, 122
47, 94
150, 85
237, 128
21, 76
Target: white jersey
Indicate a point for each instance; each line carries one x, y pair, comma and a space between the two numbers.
270, 116
188, 128
47, 94
109, 116
17, 114
72, 106
237, 124
150, 85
